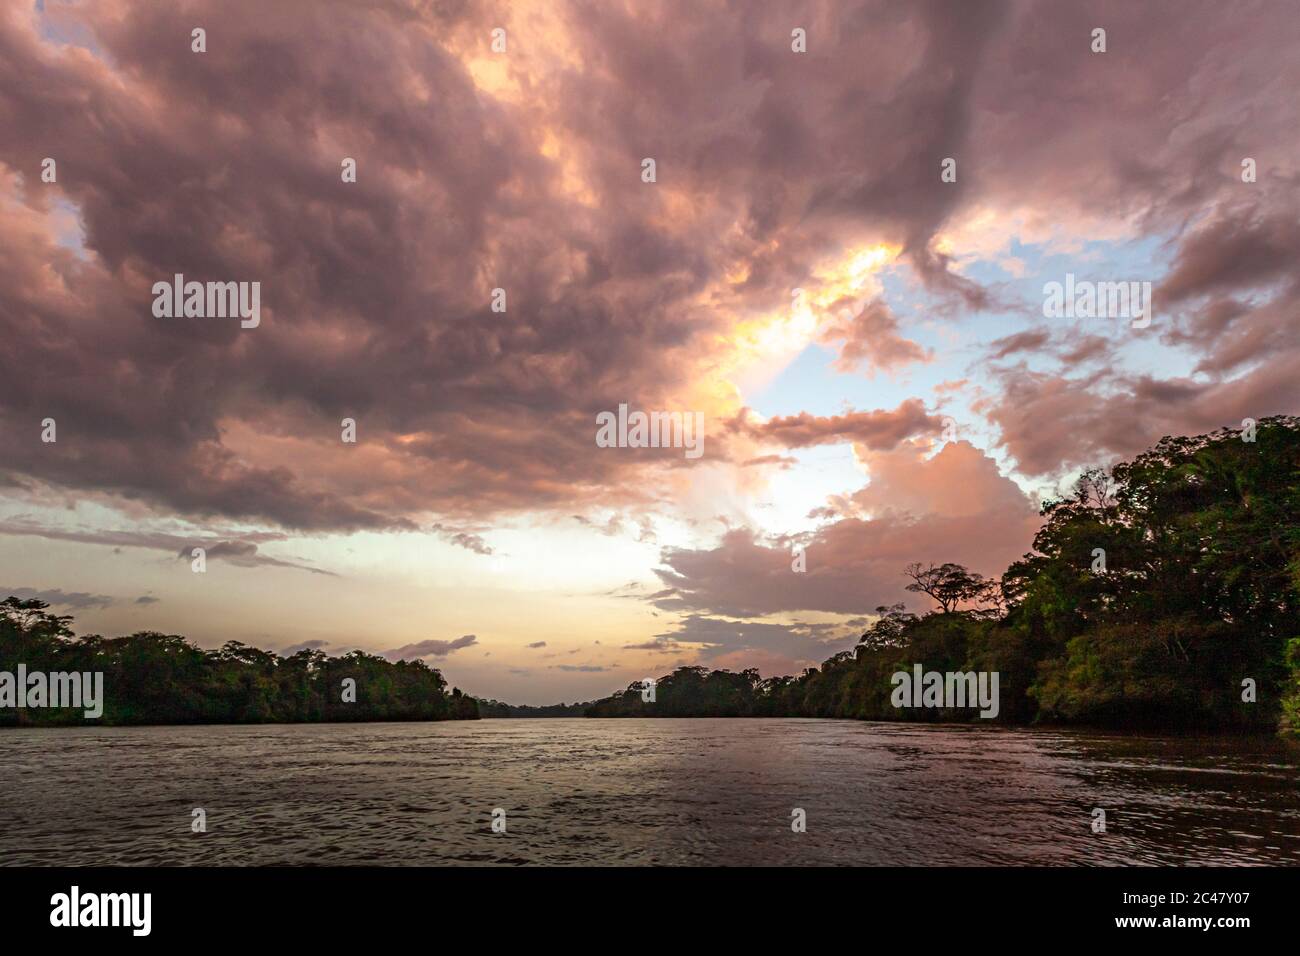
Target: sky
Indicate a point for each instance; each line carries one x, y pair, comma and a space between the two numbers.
839, 261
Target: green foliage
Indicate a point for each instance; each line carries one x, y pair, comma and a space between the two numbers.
688, 692
1291, 701
152, 678
1149, 596
1201, 539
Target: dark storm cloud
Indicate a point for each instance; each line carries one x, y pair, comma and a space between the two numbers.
225, 166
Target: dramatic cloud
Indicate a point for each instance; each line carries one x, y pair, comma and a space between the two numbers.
1050, 423
523, 174
799, 273
954, 506
871, 339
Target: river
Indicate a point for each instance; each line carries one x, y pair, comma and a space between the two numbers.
642, 791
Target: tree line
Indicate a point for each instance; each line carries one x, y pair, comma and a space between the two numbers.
153, 678
1164, 592
497, 708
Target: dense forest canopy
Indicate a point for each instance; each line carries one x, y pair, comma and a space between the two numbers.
153, 678
1150, 596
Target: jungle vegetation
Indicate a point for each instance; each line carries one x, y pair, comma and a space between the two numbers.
153, 678
1151, 595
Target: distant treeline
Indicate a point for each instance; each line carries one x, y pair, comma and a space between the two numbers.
497, 708
1150, 599
152, 678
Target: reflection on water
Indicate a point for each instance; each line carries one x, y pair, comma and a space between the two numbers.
641, 792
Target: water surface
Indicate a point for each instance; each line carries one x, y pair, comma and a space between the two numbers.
641, 791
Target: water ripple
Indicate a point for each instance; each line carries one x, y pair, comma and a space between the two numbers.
617, 792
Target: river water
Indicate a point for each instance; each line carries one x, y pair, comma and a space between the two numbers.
642, 791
